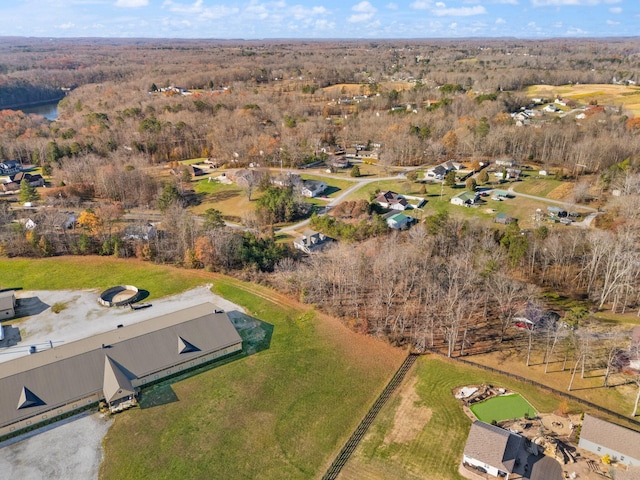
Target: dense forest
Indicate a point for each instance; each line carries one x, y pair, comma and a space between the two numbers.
138, 105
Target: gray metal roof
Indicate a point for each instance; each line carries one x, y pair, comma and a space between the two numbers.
76, 370
610, 435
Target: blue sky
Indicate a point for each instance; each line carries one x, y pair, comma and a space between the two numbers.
254, 19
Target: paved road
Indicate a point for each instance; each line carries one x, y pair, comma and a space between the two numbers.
570, 206
358, 184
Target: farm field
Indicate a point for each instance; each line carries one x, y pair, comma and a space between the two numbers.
604, 94
281, 413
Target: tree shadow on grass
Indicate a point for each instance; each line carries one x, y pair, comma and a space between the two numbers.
256, 336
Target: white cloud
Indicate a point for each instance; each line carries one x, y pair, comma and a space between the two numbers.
421, 5
299, 12
615, 10
132, 3
364, 7
460, 11
508, 2
453, 26
571, 31
197, 8
392, 6
66, 26
440, 5
364, 12
500, 21
612, 22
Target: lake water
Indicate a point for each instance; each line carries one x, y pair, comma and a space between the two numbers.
47, 110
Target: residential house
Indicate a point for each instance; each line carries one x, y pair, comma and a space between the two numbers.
551, 108
10, 187
440, 171
313, 188
141, 231
7, 304
312, 241
505, 162
338, 161
35, 180
287, 179
508, 173
10, 167
504, 454
557, 211
465, 198
391, 200
398, 221
602, 438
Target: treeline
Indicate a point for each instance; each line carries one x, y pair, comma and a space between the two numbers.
452, 283
18, 93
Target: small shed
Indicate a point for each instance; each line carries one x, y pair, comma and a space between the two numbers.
501, 193
504, 219
7, 305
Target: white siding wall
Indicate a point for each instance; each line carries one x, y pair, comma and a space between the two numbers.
602, 451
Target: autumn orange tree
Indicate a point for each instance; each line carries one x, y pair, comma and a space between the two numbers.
90, 221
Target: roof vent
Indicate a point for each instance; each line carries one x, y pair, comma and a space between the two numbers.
29, 399
186, 347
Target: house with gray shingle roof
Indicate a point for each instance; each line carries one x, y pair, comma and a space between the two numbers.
504, 454
602, 437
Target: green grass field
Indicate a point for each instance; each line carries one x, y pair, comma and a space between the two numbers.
434, 451
281, 413
504, 407
60, 273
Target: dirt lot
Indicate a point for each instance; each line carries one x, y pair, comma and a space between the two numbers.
72, 449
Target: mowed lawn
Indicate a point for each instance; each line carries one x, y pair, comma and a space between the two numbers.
434, 451
282, 413
504, 407
61, 273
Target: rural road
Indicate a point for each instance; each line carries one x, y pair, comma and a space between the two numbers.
568, 205
358, 184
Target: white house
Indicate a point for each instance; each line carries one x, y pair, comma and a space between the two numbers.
313, 188
398, 221
391, 200
465, 198
602, 438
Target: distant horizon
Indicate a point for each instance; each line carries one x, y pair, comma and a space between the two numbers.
319, 40
320, 20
